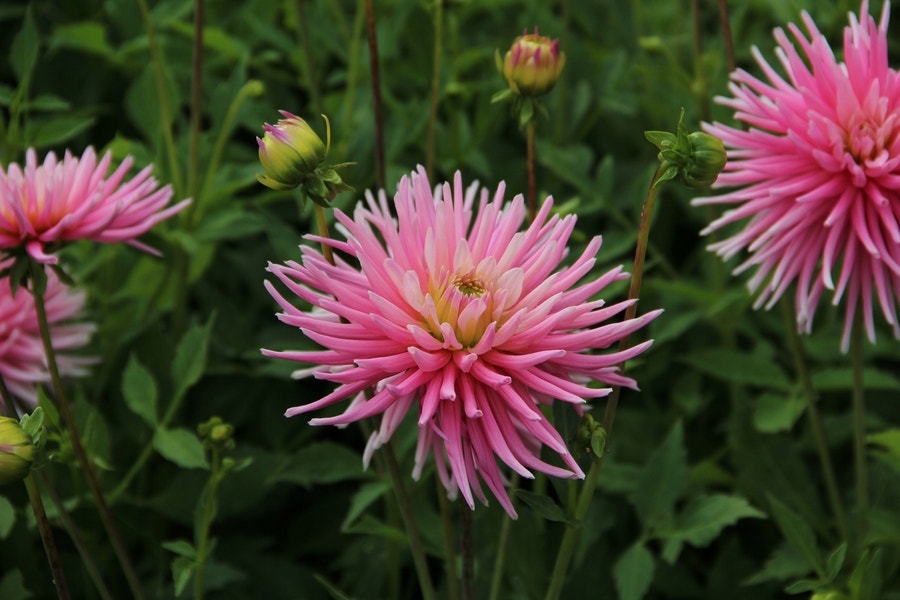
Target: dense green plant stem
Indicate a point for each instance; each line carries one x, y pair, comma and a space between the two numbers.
567, 545
449, 541
467, 546
40, 516
206, 519
372, 37
89, 473
859, 428
727, 39
435, 86
322, 226
815, 421
502, 541
409, 522
530, 159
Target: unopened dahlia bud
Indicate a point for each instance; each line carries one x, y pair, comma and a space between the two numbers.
532, 65
216, 433
290, 151
16, 451
696, 158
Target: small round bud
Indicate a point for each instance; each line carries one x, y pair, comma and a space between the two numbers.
290, 151
16, 451
706, 161
532, 65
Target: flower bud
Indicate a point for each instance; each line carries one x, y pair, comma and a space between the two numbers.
532, 65
16, 451
706, 161
290, 151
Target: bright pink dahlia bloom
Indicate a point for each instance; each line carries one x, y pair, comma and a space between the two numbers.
818, 173
23, 363
472, 324
73, 199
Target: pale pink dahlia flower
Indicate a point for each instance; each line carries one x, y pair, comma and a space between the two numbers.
73, 199
23, 363
817, 173
472, 324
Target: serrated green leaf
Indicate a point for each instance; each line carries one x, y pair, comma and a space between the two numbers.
7, 517
322, 462
190, 358
544, 506
662, 480
705, 517
633, 572
181, 447
139, 391
798, 534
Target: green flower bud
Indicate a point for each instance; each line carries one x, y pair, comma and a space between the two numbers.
532, 65
290, 151
696, 158
216, 433
16, 451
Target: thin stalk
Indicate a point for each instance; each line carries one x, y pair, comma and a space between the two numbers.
435, 85
86, 555
353, 67
372, 37
567, 545
196, 112
40, 516
815, 421
699, 71
322, 225
530, 159
859, 427
727, 40
165, 111
409, 522
89, 473
449, 541
312, 84
467, 545
500, 560
209, 512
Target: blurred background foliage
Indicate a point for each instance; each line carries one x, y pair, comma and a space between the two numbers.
718, 429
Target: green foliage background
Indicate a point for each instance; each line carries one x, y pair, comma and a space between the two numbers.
711, 488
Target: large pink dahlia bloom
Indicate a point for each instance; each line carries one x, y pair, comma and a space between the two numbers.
23, 363
73, 199
817, 173
472, 324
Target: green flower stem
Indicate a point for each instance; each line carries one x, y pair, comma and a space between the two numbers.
409, 522
530, 159
435, 85
87, 558
307, 58
815, 421
40, 516
567, 545
89, 473
206, 519
449, 541
467, 545
322, 225
859, 427
196, 110
372, 37
500, 560
726, 35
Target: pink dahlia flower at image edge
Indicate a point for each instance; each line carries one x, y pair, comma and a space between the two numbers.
473, 325
73, 199
817, 174
23, 364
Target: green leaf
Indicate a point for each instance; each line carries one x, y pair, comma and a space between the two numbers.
544, 506
181, 447
704, 518
57, 129
190, 358
139, 390
798, 534
888, 443
865, 581
835, 561
182, 570
775, 412
633, 572
322, 462
739, 367
181, 548
363, 498
332, 589
24, 50
7, 517
804, 585
88, 36
12, 586
841, 380
662, 480
228, 225
783, 564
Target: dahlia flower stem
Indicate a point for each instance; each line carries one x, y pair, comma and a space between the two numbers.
40, 516
449, 539
89, 473
206, 519
322, 225
435, 86
309, 63
503, 540
196, 109
409, 522
859, 428
815, 421
530, 158
567, 545
467, 545
727, 40
372, 37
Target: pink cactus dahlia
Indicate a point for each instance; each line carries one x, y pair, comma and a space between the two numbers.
817, 173
472, 324
73, 199
23, 363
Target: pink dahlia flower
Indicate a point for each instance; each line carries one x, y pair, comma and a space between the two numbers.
23, 363
817, 173
73, 199
471, 324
